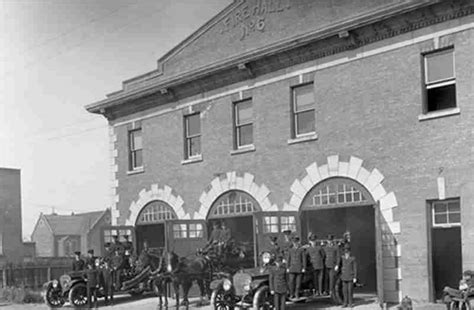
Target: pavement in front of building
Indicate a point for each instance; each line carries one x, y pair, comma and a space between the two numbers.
125, 302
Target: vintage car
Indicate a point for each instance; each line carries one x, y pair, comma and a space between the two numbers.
249, 288
72, 287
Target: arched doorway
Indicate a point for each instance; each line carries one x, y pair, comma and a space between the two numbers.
236, 209
338, 205
150, 225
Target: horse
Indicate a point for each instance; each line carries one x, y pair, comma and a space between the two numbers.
183, 271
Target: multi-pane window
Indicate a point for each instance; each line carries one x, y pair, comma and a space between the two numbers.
156, 212
303, 110
192, 132
180, 231
243, 126
135, 149
287, 223
195, 230
270, 224
446, 213
233, 203
337, 194
276, 224
440, 80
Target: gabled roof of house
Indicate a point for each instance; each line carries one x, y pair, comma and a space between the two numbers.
75, 224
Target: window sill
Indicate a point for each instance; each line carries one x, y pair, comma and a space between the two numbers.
305, 138
191, 160
438, 114
244, 149
136, 171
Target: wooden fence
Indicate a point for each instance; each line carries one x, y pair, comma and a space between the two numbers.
33, 275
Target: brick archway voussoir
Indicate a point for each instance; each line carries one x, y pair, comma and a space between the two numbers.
164, 194
232, 181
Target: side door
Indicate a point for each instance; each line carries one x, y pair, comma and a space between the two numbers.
107, 233
186, 236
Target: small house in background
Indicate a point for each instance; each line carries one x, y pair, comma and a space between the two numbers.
61, 235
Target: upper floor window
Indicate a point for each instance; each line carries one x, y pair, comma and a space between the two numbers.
446, 213
440, 80
276, 224
135, 149
243, 123
192, 132
303, 110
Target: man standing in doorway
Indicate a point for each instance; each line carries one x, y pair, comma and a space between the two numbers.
296, 267
286, 244
348, 275
225, 237
214, 238
316, 255
331, 252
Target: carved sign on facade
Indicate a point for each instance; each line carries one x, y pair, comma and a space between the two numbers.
250, 16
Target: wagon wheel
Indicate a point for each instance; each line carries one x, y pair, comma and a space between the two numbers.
78, 295
223, 301
54, 297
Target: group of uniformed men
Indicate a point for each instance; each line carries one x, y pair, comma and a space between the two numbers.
324, 259
119, 256
219, 238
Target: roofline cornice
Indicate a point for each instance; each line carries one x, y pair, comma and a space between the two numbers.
121, 96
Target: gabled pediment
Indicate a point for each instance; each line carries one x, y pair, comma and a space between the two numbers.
249, 28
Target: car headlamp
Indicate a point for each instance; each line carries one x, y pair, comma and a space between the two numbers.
55, 283
266, 258
226, 284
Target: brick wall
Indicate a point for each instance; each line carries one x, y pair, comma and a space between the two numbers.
366, 108
10, 214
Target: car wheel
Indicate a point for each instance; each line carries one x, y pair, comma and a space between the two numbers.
222, 300
54, 297
78, 295
262, 299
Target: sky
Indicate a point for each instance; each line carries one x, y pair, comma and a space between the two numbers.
56, 56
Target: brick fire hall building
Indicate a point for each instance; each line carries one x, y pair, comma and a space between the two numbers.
315, 116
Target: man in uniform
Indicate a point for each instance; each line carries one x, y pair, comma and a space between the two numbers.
331, 252
116, 246
117, 266
316, 256
225, 237
127, 250
214, 237
274, 249
90, 260
296, 267
286, 244
348, 275
278, 283
78, 263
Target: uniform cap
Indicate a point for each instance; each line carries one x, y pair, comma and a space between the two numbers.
312, 237
296, 238
468, 273
347, 247
287, 232
90, 251
77, 253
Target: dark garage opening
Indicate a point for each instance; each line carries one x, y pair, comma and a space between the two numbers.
360, 222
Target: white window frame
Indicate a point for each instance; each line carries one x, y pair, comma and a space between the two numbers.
288, 223
442, 82
197, 232
237, 125
444, 225
133, 150
182, 232
268, 225
188, 137
295, 112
